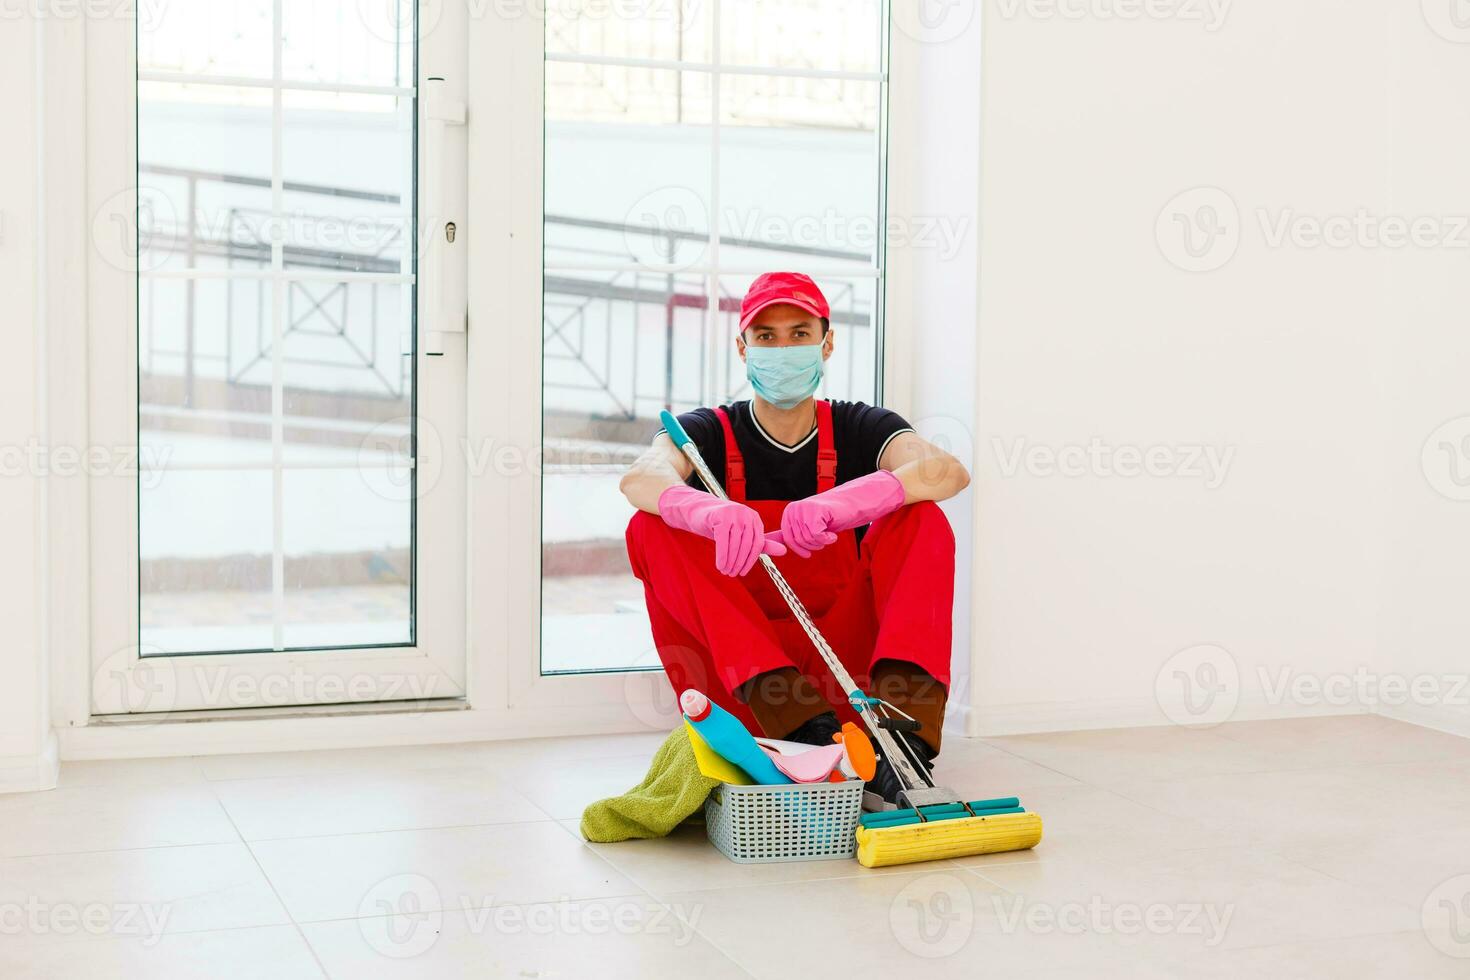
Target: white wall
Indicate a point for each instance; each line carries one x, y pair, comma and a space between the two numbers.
1087, 585
1426, 575
939, 224
27, 746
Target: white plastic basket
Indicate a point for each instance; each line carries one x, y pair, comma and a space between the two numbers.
790, 822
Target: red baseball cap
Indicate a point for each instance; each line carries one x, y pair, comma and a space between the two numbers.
771, 288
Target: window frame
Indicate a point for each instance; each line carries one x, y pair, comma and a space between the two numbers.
641, 694
120, 679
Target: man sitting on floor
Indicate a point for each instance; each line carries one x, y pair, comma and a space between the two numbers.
842, 496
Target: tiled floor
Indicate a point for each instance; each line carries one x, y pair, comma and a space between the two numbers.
1332, 847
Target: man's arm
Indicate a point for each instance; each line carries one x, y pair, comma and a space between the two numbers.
926, 471
661, 466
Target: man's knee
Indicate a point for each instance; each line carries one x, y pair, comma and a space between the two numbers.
642, 528
652, 542
640, 524
921, 521
932, 519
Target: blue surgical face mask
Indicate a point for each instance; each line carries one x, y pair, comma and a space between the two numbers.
784, 376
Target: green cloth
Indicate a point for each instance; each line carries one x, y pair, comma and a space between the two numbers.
673, 789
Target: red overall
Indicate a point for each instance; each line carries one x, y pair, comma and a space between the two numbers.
891, 599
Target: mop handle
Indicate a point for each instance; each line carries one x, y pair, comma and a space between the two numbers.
856, 696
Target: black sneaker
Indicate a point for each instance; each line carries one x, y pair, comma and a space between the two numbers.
817, 730
885, 781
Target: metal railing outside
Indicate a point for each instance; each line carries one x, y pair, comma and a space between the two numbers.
616, 343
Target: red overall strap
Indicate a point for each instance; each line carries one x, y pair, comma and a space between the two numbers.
734, 462
826, 448
826, 454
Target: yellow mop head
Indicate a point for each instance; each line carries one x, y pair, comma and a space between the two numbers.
937, 839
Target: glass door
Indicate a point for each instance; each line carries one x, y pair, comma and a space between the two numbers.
689, 146
297, 330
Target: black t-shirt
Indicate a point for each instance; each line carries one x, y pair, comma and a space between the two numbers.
774, 471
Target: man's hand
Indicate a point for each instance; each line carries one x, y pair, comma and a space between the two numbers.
812, 524
736, 529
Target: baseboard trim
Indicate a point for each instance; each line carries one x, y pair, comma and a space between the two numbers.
1076, 716
160, 736
959, 720
140, 738
1440, 717
20, 774
144, 720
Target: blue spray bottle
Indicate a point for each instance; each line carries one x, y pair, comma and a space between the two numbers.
723, 733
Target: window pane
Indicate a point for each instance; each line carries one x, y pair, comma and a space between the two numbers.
667, 30
602, 94
842, 105
347, 163
205, 583
799, 172
348, 513
628, 158
206, 37
204, 170
630, 325
275, 400
204, 451
350, 42
832, 35
343, 365
348, 561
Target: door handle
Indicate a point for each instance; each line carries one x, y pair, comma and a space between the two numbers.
443, 299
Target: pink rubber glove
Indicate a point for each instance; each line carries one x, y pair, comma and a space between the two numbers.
735, 529
811, 524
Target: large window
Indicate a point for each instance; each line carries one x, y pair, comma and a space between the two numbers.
295, 532
276, 147
689, 146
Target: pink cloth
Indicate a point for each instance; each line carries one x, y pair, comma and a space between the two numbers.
811, 524
812, 766
735, 528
